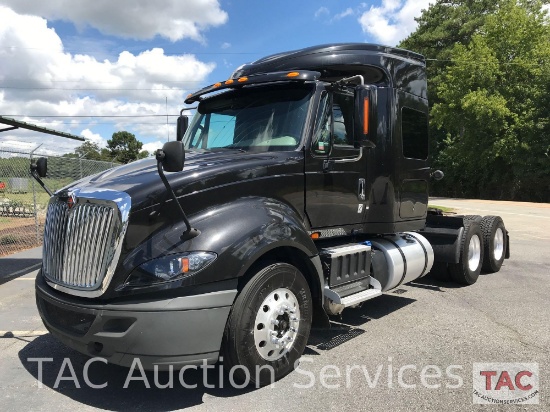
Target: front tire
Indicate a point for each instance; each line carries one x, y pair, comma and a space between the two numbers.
467, 270
268, 326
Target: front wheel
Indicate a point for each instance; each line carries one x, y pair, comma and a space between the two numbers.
268, 326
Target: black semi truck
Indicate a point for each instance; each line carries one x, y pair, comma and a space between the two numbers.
299, 188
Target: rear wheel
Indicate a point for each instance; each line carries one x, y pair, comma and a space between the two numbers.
269, 325
494, 239
467, 270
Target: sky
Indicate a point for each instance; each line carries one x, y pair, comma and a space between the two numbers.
92, 68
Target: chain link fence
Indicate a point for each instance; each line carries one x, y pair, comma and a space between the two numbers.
23, 202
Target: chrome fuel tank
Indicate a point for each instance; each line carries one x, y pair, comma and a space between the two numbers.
401, 258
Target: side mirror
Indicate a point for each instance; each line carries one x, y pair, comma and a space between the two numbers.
183, 124
437, 175
365, 110
39, 169
42, 167
172, 156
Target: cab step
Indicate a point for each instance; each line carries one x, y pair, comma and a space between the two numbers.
356, 298
336, 303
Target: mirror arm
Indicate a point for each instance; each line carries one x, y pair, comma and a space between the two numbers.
189, 232
34, 174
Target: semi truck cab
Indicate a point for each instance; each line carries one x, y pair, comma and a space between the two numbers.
298, 189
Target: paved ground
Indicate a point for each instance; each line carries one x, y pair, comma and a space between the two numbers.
502, 318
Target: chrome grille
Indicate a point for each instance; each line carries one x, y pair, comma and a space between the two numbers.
82, 243
78, 243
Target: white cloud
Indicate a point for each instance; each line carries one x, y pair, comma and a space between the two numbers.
40, 79
345, 13
321, 11
225, 45
393, 20
172, 19
94, 137
152, 147
39, 144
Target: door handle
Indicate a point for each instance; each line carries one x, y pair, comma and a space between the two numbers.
355, 159
361, 189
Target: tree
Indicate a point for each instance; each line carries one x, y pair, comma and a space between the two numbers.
88, 150
493, 106
488, 86
447, 23
443, 25
125, 148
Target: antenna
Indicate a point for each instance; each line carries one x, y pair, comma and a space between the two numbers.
167, 128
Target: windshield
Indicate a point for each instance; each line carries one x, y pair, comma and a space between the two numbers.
259, 119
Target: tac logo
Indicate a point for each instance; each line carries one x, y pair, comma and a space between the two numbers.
506, 383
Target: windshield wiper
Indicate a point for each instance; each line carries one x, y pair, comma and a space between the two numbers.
215, 149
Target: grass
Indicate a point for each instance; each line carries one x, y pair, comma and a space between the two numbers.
8, 240
442, 208
42, 198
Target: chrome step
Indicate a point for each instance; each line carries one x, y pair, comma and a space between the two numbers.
362, 296
354, 299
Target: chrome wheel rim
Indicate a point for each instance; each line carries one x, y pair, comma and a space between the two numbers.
277, 324
474, 253
498, 244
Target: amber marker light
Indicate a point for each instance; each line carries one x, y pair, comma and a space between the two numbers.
230, 81
217, 84
366, 117
184, 265
242, 79
315, 235
293, 74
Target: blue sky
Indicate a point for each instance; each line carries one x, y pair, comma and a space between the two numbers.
140, 58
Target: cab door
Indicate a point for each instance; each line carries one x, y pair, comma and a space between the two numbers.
335, 169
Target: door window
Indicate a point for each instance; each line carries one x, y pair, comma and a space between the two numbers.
342, 110
321, 136
333, 132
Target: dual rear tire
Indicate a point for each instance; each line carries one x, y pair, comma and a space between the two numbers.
468, 268
495, 243
483, 247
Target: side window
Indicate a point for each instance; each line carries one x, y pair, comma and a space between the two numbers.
321, 135
414, 129
197, 133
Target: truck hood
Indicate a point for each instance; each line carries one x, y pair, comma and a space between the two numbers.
203, 170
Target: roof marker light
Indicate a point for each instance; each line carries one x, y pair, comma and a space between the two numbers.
217, 84
293, 74
242, 79
230, 81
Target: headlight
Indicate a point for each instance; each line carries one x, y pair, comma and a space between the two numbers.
169, 268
